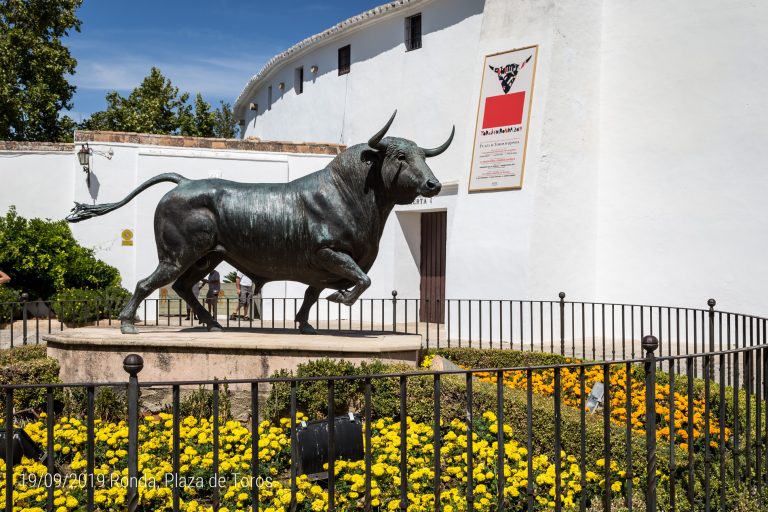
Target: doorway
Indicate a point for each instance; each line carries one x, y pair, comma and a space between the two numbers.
432, 268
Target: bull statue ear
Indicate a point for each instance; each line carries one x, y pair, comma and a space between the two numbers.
375, 141
436, 151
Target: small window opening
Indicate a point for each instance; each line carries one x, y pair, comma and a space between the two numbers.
298, 80
344, 59
269, 98
413, 32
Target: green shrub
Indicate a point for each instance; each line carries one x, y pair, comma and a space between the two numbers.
28, 365
9, 297
199, 403
109, 404
79, 306
477, 358
312, 397
42, 257
23, 353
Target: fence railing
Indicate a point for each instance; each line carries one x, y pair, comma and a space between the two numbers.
587, 330
660, 439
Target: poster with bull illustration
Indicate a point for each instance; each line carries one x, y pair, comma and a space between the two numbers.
503, 115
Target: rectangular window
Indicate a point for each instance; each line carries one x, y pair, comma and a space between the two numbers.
298, 80
413, 32
344, 59
269, 98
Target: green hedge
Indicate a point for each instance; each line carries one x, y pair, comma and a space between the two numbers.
488, 358
8, 307
28, 365
312, 397
80, 306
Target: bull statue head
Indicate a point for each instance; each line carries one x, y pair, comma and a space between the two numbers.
404, 170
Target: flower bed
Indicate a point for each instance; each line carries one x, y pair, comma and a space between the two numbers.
196, 470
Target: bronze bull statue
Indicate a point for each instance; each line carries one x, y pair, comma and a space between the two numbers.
322, 229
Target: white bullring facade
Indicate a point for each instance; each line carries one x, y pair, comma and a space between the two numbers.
645, 170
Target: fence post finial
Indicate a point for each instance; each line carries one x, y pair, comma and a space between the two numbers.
650, 344
133, 364
394, 312
711, 303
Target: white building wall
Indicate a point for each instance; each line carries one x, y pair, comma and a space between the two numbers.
38, 183
643, 177
683, 179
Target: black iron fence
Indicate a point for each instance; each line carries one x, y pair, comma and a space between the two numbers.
673, 420
535, 438
589, 330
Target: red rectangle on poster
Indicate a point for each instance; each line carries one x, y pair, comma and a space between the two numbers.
504, 110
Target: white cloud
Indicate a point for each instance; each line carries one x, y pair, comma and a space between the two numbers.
210, 75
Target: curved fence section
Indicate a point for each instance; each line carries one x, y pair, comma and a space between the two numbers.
602, 419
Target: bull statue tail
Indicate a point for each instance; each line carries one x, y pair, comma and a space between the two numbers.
83, 211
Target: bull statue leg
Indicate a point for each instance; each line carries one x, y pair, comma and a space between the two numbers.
183, 286
164, 273
302, 317
344, 266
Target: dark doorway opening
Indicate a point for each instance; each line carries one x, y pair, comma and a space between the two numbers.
433, 233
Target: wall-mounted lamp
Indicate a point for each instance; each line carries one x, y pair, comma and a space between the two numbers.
253, 106
313, 69
84, 156
281, 85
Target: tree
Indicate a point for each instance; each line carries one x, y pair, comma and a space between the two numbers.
199, 124
42, 258
225, 124
33, 68
153, 107
156, 106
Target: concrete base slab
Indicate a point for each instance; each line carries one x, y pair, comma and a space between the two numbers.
93, 354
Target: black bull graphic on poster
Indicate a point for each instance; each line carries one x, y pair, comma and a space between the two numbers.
507, 74
322, 229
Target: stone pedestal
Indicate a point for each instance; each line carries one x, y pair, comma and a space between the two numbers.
95, 354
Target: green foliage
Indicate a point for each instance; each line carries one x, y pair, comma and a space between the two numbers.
477, 358
34, 65
312, 396
230, 277
7, 309
78, 306
199, 403
157, 106
28, 365
225, 125
109, 404
43, 257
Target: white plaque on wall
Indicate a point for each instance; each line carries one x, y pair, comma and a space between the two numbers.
503, 116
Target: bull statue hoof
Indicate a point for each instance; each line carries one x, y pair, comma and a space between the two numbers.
306, 328
214, 327
127, 328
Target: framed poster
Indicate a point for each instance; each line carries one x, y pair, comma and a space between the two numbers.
503, 116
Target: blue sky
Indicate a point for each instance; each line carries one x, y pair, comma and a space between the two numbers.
207, 46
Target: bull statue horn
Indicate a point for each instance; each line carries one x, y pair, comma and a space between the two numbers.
375, 141
436, 151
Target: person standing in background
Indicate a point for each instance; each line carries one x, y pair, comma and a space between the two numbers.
4, 278
244, 289
212, 297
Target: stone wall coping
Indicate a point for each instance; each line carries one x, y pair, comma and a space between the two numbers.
182, 141
12, 145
